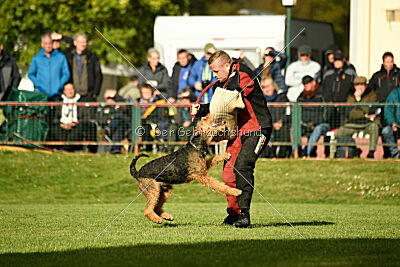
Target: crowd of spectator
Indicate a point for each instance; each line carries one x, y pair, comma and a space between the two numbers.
73, 75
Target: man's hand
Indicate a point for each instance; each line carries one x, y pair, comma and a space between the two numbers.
195, 109
66, 126
171, 100
394, 127
187, 123
277, 125
198, 86
371, 117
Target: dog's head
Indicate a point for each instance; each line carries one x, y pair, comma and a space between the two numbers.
207, 129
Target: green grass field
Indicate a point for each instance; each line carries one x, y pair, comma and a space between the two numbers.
53, 206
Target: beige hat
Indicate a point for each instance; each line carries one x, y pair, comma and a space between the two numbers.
360, 80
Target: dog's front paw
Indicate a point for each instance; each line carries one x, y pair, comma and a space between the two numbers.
236, 192
167, 216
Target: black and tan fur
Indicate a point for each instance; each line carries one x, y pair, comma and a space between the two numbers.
182, 166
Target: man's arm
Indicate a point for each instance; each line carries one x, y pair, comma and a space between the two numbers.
15, 77
194, 74
64, 72
98, 76
32, 72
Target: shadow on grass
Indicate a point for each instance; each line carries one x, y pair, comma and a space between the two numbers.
240, 252
313, 223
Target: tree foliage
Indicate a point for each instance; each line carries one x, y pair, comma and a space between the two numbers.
127, 23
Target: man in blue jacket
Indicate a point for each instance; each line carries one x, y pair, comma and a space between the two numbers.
49, 70
390, 132
201, 74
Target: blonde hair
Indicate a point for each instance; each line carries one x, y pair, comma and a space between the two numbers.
267, 80
220, 55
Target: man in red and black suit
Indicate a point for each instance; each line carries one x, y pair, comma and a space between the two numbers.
254, 132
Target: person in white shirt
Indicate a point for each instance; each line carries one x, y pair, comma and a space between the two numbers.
298, 69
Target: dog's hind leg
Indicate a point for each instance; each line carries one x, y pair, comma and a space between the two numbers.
217, 159
151, 189
213, 183
165, 194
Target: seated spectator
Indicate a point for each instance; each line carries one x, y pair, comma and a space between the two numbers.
390, 132
154, 73
85, 70
281, 121
273, 68
180, 74
49, 70
336, 87
114, 119
72, 126
154, 120
130, 91
182, 120
9, 74
386, 79
361, 117
201, 75
297, 70
313, 121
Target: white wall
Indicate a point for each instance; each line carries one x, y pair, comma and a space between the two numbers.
371, 34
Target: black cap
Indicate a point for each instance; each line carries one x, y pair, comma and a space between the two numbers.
338, 55
307, 79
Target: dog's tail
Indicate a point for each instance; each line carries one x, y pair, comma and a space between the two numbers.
133, 163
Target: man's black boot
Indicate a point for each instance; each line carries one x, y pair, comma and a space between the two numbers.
230, 219
243, 221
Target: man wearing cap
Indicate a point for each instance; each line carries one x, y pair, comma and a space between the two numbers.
361, 118
297, 70
312, 118
201, 74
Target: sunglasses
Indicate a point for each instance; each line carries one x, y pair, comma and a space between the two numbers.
209, 53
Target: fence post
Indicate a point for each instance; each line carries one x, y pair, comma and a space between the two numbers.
296, 128
135, 122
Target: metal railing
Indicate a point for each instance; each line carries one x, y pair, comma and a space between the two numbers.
101, 127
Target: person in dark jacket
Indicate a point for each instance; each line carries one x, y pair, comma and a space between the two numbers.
154, 73
386, 79
313, 118
254, 124
361, 117
281, 121
84, 66
336, 87
390, 132
273, 68
9, 74
180, 74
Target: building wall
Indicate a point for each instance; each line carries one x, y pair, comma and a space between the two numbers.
374, 29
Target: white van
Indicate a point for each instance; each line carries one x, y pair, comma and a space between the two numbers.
251, 34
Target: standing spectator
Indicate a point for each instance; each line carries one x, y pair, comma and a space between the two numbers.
336, 87
49, 70
273, 68
361, 117
9, 74
386, 79
390, 132
313, 121
242, 59
130, 91
383, 82
180, 74
57, 38
297, 70
344, 66
281, 121
85, 70
329, 55
201, 74
155, 73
